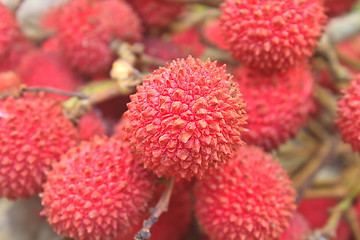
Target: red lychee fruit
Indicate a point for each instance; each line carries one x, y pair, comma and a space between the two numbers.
335, 8
185, 118
250, 198
190, 42
9, 81
92, 125
9, 30
88, 50
51, 45
47, 69
349, 113
316, 211
97, 191
158, 13
33, 134
272, 35
277, 105
298, 229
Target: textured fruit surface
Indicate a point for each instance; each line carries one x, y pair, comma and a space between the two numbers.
97, 191
298, 229
89, 50
47, 69
33, 135
250, 198
157, 12
189, 41
277, 105
271, 35
349, 113
92, 125
337, 7
185, 118
317, 211
9, 30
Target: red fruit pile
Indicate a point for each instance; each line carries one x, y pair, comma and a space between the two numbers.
272, 35
251, 198
33, 134
185, 118
97, 191
9, 30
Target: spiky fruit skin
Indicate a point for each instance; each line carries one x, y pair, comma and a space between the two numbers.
157, 13
317, 211
277, 105
47, 69
298, 229
337, 7
33, 134
97, 191
88, 50
9, 30
271, 36
185, 118
92, 125
249, 198
349, 113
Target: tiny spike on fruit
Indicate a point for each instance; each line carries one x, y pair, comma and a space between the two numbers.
33, 134
97, 191
272, 35
187, 117
277, 105
243, 201
349, 113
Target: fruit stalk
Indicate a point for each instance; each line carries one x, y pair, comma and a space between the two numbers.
161, 207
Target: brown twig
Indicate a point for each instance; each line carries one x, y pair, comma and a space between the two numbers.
53, 90
212, 3
160, 208
304, 179
352, 218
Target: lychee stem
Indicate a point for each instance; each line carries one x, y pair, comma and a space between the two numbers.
212, 3
329, 229
324, 156
53, 90
161, 207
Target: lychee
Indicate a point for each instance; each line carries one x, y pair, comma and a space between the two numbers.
349, 113
33, 134
92, 125
187, 117
277, 105
9, 30
250, 198
272, 35
97, 191
298, 230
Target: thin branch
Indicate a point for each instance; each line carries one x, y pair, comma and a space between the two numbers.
323, 157
53, 90
161, 207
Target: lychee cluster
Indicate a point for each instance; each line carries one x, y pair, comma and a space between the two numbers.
33, 134
251, 198
97, 191
272, 35
185, 118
